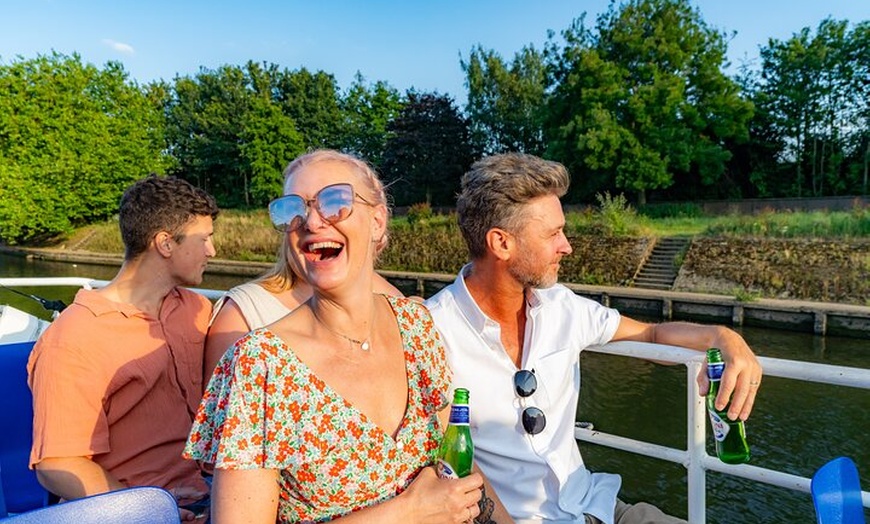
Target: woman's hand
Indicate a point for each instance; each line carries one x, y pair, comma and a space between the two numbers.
436, 500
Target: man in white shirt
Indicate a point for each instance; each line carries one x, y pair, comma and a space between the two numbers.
516, 335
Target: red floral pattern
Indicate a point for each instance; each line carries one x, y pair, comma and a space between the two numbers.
264, 408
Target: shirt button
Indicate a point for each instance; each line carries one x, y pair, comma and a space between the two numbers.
400, 445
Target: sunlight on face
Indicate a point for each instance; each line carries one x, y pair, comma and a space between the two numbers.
190, 259
540, 244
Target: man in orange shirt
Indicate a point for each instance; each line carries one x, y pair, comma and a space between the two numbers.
117, 378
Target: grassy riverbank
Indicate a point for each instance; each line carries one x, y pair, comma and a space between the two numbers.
807, 256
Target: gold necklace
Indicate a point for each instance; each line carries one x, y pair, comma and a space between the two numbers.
363, 344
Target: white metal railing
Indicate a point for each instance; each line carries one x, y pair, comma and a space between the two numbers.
81, 282
695, 458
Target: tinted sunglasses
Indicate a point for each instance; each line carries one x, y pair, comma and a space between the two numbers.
525, 384
333, 203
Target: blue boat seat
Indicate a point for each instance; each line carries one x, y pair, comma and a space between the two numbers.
2, 500
21, 491
139, 505
836, 492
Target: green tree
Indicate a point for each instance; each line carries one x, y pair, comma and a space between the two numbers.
644, 100
204, 121
506, 103
312, 100
859, 56
427, 152
229, 134
270, 138
368, 110
583, 129
72, 138
755, 161
812, 96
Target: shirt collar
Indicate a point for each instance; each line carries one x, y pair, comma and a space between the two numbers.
472, 312
98, 305
469, 308
533, 300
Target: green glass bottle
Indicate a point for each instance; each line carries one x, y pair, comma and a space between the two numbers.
730, 435
457, 451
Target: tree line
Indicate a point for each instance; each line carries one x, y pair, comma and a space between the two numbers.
638, 102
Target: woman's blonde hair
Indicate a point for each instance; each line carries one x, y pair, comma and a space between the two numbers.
281, 276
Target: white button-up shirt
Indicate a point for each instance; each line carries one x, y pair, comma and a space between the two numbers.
537, 477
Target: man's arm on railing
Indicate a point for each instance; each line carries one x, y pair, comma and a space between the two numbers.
742, 370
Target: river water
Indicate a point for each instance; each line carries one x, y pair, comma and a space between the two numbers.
795, 426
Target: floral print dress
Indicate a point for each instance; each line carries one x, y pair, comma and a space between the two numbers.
264, 408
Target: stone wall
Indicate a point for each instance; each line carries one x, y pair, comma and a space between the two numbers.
802, 269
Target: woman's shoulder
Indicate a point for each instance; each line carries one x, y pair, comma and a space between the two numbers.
259, 343
257, 305
248, 289
412, 316
409, 307
413, 303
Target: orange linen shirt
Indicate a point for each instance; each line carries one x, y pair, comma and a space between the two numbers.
116, 385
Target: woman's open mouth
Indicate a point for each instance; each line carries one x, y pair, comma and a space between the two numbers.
319, 251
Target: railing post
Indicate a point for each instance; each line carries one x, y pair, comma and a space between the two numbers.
820, 324
737, 315
696, 446
667, 309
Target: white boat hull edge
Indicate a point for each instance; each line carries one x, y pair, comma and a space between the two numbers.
17, 326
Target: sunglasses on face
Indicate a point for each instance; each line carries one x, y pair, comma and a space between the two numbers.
333, 203
525, 384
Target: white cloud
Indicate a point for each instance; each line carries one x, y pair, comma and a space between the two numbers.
120, 47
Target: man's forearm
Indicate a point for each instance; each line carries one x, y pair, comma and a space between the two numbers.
692, 336
743, 372
75, 477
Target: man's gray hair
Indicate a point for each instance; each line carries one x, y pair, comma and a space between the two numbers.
496, 189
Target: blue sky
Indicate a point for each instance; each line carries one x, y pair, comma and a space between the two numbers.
411, 43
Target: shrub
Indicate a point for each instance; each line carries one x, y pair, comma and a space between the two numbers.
419, 213
616, 216
741, 294
817, 224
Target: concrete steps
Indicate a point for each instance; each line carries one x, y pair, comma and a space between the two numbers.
660, 269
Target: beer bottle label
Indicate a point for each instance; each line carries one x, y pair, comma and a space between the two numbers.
459, 415
715, 369
720, 426
445, 470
